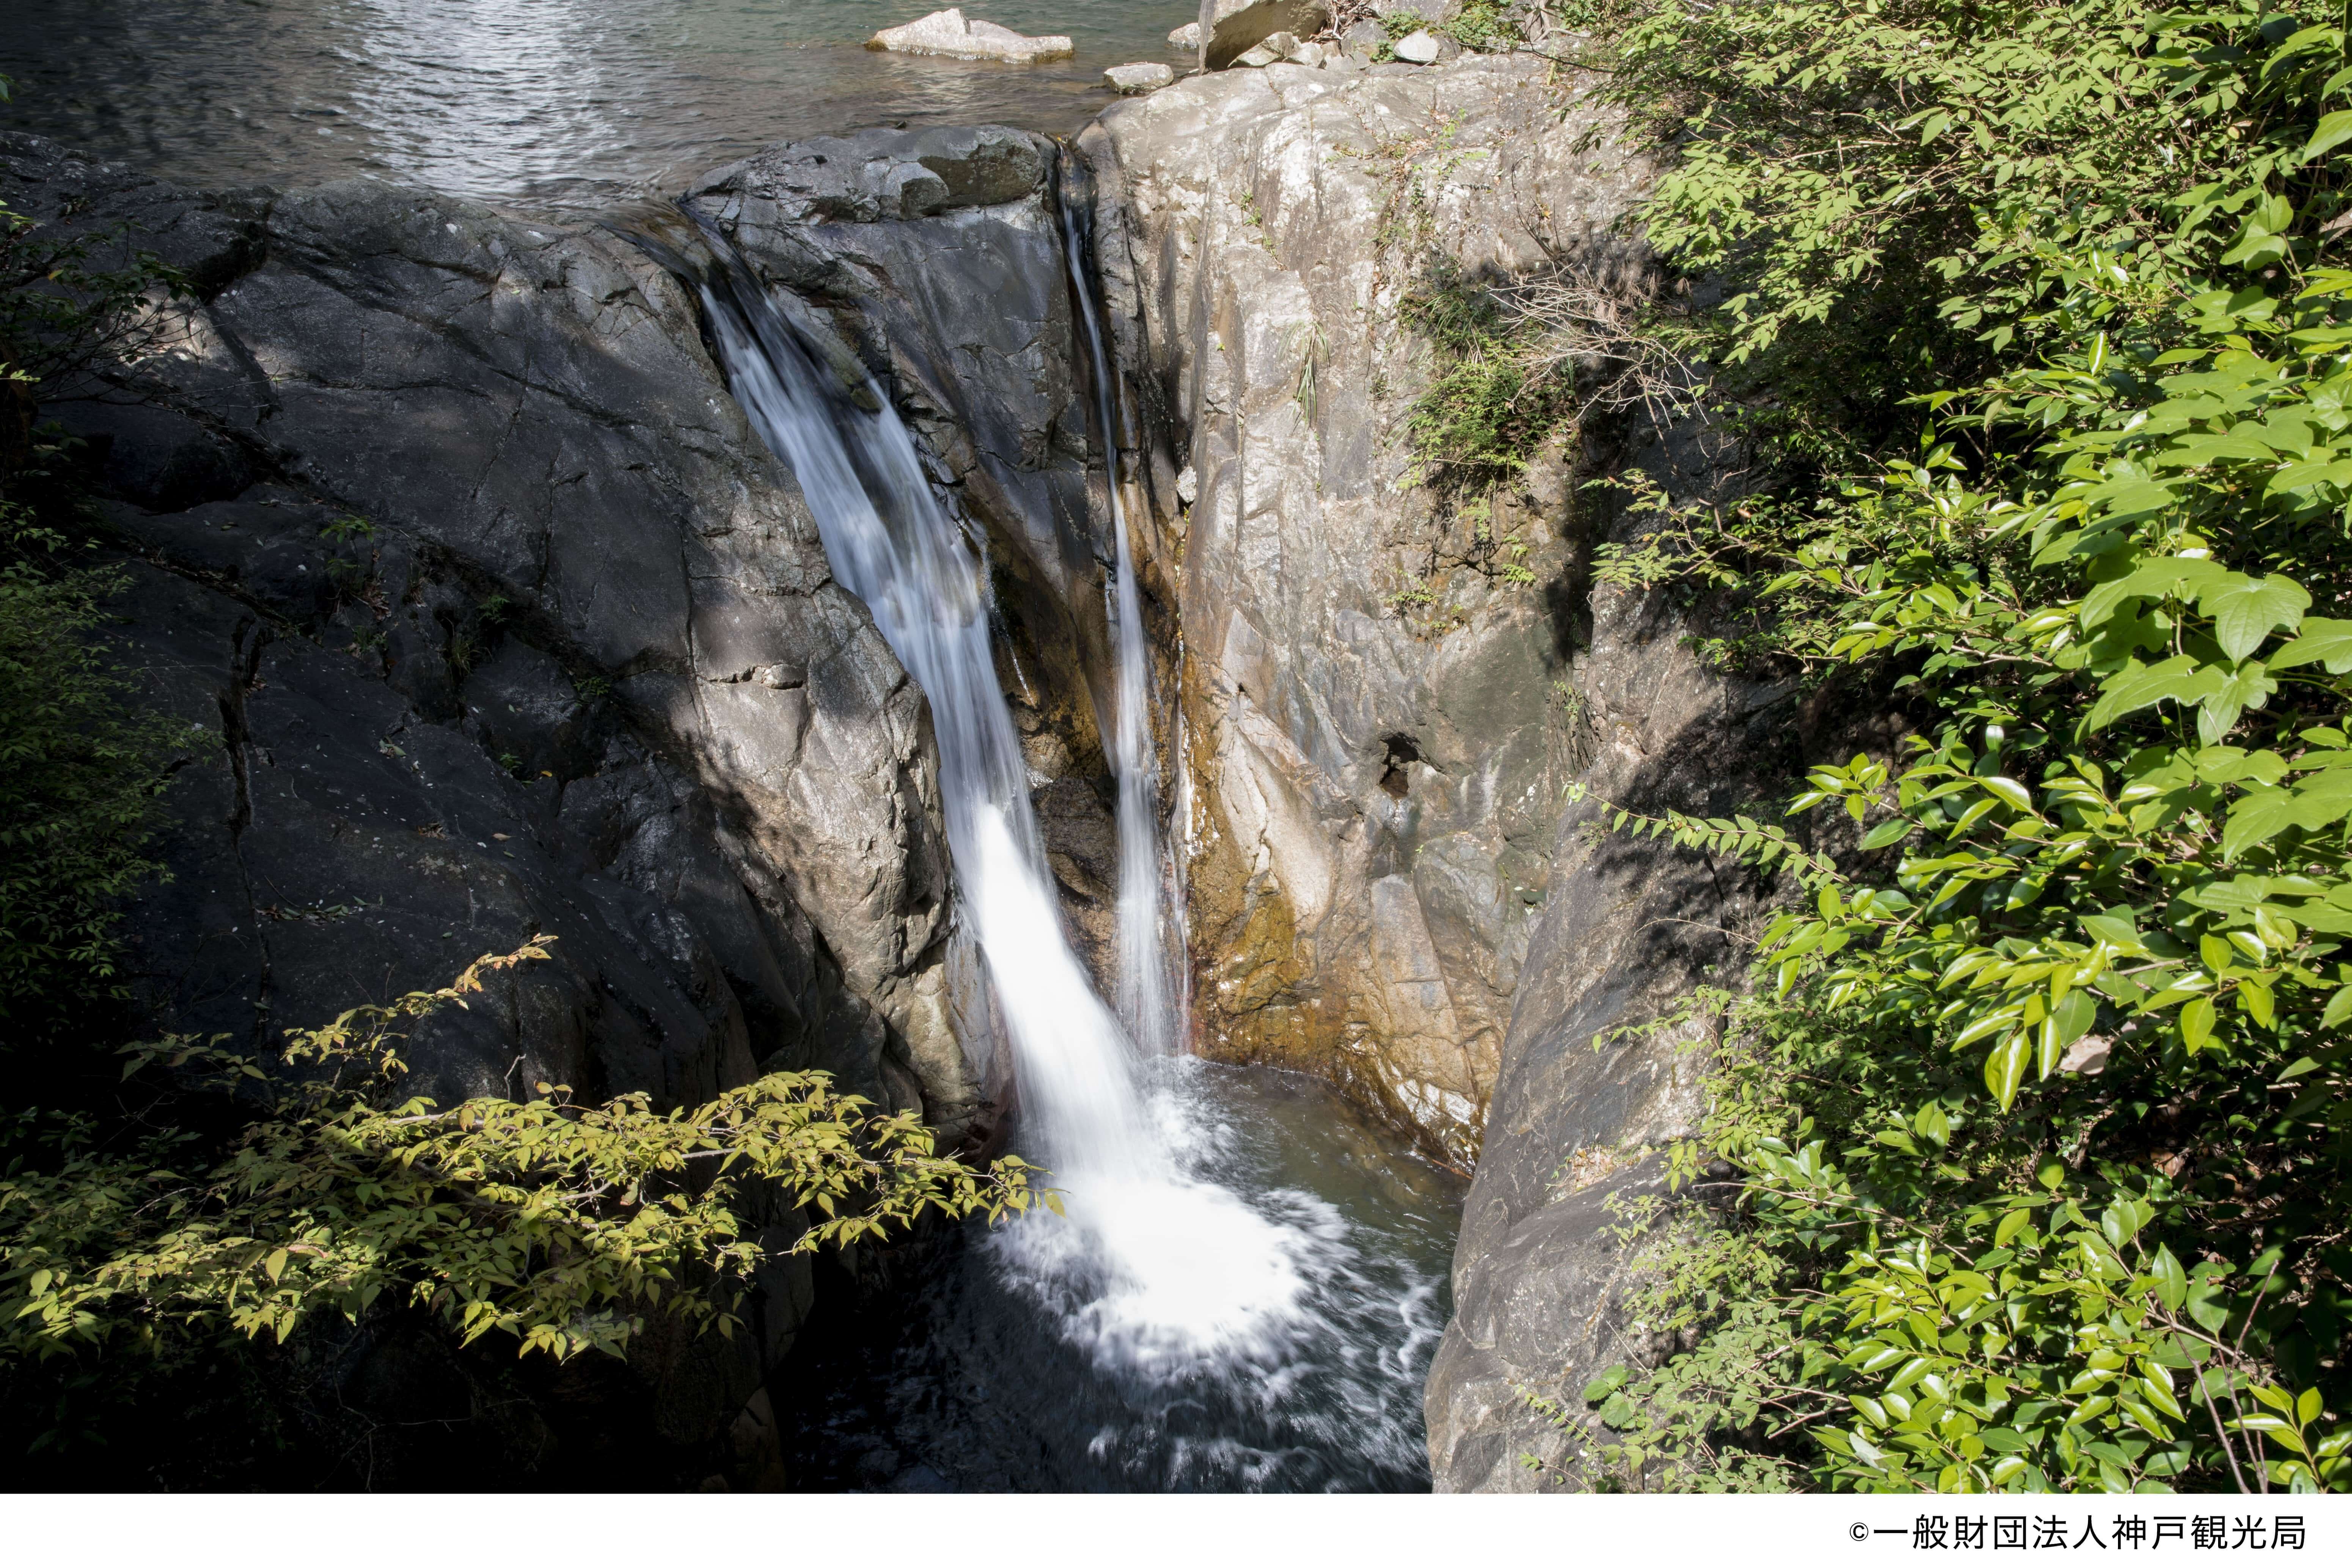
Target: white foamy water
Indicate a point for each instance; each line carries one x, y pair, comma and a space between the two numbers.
1002, 1371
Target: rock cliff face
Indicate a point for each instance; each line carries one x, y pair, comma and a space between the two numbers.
1380, 717
487, 615
1376, 699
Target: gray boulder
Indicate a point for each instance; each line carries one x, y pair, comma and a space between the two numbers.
1230, 29
1143, 76
1418, 49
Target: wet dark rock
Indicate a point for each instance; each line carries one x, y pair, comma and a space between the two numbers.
151, 456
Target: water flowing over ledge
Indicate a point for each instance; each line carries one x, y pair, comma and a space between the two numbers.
1174, 1273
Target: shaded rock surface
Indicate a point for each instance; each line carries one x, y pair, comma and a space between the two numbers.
488, 615
1544, 1278
1233, 27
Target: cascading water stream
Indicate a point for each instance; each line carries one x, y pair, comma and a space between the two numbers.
1155, 1265
1203, 1317
1147, 994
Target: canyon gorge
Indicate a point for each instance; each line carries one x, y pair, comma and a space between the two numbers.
491, 605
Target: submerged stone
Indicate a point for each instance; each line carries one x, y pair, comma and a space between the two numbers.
948, 33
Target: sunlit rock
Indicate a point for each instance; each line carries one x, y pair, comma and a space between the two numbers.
1143, 76
948, 33
1418, 49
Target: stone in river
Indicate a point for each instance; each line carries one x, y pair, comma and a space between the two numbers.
948, 33
1187, 36
1419, 48
1143, 76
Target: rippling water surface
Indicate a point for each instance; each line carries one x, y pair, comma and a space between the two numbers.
999, 1373
540, 106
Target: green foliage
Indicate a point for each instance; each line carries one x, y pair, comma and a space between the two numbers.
563, 1225
1495, 398
67, 304
1845, 167
1479, 24
2045, 1124
78, 769
79, 772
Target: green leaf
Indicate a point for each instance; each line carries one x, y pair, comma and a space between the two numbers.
2197, 1023
2171, 1280
1886, 833
2248, 685
2208, 1307
2246, 610
2324, 642
2179, 680
2004, 1069
2256, 818
2333, 130
1607, 1383
2010, 790
2077, 1011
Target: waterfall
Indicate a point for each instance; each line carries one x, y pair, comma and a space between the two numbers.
1157, 1271
1145, 910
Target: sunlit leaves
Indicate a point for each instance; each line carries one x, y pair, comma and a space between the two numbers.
2043, 1103
566, 1227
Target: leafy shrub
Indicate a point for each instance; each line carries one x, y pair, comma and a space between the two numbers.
564, 1226
79, 772
2044, 1133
